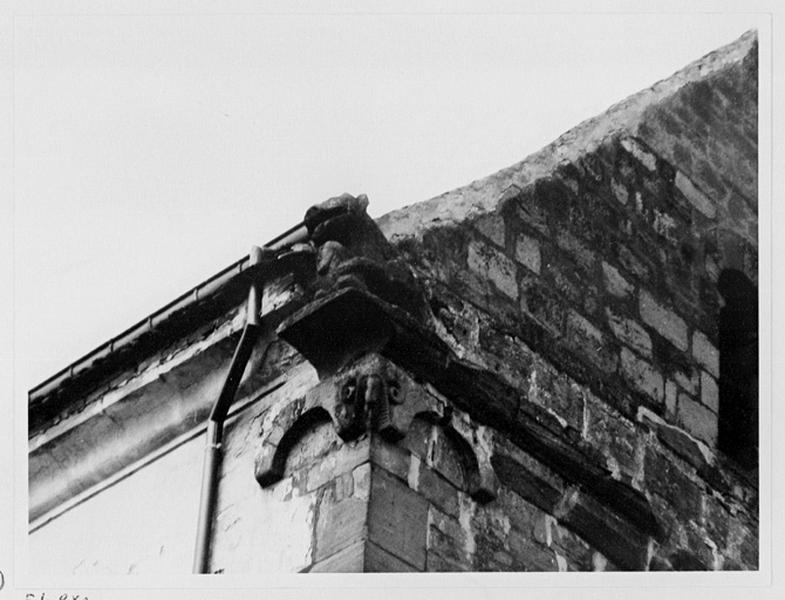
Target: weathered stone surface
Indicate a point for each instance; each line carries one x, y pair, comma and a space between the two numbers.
647, 159
667, 323
437, 490
630, 332
706, 353
615, 282
378, 560
448, 543
397, 519
698, 420
348, 560
527, 252
642, 375
391, 457
664, 478
543, 344
590, 341
492, 227
697, 198
710, 392
534, 486
682, 444
493, 266
615, 435
605, 531
341, 523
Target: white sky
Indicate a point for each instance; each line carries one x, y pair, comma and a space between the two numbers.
151, 151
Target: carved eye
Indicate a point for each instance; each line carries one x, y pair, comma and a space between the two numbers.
394, 391
349, 389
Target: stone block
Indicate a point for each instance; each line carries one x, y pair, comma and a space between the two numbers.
671, 396
576, 249
343, 460
391, 457
530, 555
667, 323
715, 518
523, 515
490, 264
437, 563
378, 560
630, 333
706, 353
575, 550
663, 477
437, 490
633, 263
492, 227
397, 519
697, 420
447, 460
613, 434
682, 444
527, 252
694, 196
447, 539
620, 191
710, 393
534, 484
530, 212
361, 477
606, 532
687, 381
590, 342
339, 525
642, 375
615, 282
647, 159
349, 560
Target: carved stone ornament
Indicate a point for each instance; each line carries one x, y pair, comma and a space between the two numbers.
374, 396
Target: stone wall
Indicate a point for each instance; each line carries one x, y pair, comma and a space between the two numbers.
543, 393
593, 290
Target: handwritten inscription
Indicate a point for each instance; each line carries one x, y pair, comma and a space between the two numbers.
43, 596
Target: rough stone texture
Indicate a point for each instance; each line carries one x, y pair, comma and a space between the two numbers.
664, 321
697, 420
706, 353
527, 252
642, 375
570, 363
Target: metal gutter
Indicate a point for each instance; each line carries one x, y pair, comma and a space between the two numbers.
297, 233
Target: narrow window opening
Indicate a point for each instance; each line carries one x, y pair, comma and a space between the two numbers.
738, 329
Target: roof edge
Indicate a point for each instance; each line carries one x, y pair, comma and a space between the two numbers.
483, 196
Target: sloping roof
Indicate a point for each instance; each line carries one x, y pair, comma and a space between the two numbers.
484, 195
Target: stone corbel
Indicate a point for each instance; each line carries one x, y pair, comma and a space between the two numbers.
375, 396
370, 396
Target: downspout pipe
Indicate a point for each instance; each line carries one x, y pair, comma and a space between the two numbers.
253, 327
215, 423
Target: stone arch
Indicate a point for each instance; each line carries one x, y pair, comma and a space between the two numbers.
272, 463
476, 478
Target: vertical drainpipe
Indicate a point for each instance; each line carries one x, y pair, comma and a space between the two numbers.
215, 423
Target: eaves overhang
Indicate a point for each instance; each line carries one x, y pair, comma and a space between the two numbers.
203, 303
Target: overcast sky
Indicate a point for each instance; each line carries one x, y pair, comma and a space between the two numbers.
151, 151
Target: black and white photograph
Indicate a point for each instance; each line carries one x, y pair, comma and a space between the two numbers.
436, 299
